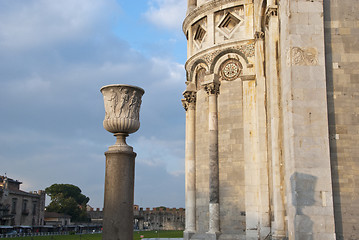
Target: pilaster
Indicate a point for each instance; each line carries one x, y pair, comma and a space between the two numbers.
305, 121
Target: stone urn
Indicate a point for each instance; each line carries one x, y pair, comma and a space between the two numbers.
122, 109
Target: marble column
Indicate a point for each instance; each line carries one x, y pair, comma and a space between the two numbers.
190, 161
211, 85
261, 118
274, 93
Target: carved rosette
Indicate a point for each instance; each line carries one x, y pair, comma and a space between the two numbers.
122, 107
230, 69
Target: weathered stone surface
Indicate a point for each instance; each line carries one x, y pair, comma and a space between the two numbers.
288, 73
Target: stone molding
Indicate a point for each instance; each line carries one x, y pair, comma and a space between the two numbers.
245, 48
210, 59
208, 7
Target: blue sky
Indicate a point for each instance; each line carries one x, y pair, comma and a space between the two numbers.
54, 58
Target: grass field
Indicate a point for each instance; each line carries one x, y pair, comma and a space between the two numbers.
136, 236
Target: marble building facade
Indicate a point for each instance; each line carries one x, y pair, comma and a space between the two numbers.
272, 119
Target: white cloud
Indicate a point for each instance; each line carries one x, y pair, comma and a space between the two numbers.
167, 14
175, 70
168, 153
28, 23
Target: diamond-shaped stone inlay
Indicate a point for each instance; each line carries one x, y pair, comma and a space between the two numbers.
199, 35
228, 24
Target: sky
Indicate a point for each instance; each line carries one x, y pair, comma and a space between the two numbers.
54, 58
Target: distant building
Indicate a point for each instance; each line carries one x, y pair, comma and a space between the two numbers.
18, 207
57, 219
160, 218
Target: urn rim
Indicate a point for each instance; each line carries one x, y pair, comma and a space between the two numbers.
122, 85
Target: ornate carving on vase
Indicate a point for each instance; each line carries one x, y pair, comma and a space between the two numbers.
303, 56
122, 108
230, 69
212, 88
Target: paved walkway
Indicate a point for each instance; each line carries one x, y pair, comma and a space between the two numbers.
162, 238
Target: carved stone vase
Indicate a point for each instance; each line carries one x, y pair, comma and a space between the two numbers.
122, 106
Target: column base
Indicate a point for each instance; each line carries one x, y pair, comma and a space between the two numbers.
187, 235
212, 235
279, 237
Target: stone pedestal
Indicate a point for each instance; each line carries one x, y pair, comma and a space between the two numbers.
119, 190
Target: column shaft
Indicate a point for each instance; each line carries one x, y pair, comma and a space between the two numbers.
264, 209
213, 165
190, 160
212, 88
119, 190
278, 227
190, 171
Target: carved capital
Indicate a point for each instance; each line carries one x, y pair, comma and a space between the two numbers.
212, 88
184, 104
211, 84
190, 98
271, 11
259, 35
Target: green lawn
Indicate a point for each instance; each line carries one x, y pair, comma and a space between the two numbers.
136, 236
157, 234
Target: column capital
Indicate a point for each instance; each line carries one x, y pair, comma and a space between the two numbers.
184, 104
211, 84
259, 35
190, 95
271, 11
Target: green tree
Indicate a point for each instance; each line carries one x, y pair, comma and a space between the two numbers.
68, 199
